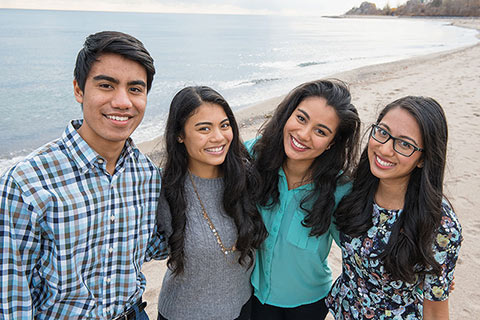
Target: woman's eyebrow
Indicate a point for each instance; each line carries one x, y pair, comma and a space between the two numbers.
319, 124
399, 137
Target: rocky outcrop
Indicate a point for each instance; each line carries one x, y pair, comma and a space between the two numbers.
366, 8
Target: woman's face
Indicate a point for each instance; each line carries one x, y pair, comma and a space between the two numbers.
207, 138
387, 164
309, 131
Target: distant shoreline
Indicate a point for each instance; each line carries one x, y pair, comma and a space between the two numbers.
373, 16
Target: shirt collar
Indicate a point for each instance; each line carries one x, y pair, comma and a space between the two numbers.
84, 156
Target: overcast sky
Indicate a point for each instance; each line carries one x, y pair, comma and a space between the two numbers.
298, 7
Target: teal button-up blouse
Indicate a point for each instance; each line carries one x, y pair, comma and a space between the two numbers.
291, 267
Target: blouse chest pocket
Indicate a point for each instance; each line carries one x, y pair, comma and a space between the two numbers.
298, 235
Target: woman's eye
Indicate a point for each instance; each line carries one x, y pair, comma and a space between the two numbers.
225, 125
383, 132
206, 129
405, 144
300, 118
320, 132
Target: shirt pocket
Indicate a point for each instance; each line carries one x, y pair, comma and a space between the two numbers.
298, 235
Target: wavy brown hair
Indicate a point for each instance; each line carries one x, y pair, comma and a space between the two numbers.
328, 169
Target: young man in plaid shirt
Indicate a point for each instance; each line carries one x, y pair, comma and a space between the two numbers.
77, 216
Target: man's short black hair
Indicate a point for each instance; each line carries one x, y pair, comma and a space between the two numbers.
112, 42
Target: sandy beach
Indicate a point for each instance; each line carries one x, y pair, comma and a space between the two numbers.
453, 79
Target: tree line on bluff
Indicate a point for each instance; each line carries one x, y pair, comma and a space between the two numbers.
455, 8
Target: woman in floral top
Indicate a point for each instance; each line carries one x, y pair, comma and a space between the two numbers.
399, 235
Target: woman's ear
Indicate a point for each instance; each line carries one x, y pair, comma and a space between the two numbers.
180, 139
420, 164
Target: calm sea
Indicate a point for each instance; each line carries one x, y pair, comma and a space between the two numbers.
247, 58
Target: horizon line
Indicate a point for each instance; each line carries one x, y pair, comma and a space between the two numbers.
176, 12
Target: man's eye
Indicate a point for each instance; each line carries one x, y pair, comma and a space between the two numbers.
136, 90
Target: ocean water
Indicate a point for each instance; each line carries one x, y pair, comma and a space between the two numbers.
246, 58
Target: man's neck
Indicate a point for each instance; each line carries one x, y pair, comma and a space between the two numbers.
109, 151
111, 157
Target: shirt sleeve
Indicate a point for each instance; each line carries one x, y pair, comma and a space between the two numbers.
19, 247
250, 144
157, 247
446, 247
164, 216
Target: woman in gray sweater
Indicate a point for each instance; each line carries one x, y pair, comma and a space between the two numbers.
206, 211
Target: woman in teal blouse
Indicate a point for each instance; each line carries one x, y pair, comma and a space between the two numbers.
304, 156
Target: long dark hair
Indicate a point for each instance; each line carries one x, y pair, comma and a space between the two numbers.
412, 236
238, 175
328, 169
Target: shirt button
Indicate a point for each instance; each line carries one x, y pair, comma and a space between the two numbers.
110, 249
108, 280
107, 309
275, 229
112, 218
270, 246
100, 161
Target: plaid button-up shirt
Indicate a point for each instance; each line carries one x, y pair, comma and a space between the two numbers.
73, 238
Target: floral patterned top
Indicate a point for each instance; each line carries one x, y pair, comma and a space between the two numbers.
364, 289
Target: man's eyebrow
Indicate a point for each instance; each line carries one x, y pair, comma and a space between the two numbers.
111, 79
105, 77
137, 82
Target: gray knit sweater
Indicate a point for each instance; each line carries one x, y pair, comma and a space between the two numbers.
213, 285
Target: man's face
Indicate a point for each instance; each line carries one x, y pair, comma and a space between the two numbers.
114, 102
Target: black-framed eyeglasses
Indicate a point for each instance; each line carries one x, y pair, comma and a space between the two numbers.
401, 146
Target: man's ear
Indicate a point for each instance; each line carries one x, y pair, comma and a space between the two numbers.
77, 92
